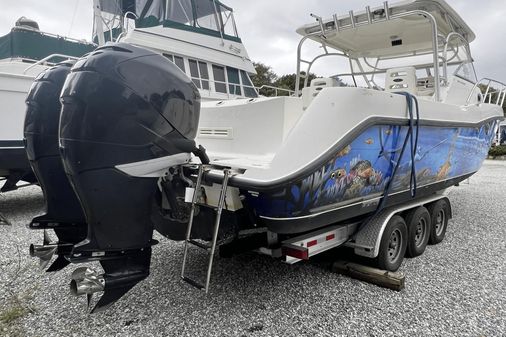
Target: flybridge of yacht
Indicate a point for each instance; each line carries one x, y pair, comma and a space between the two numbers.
199, 36
209, 17
427, 38
31, 44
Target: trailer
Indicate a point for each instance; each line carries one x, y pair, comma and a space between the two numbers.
385, 237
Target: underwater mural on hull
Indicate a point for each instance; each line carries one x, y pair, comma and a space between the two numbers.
362, 169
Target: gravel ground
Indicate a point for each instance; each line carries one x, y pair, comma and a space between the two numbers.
456, 288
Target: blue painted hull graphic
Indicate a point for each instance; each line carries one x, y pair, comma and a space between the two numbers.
362, 169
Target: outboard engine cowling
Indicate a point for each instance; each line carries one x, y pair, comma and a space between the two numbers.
63, 211
128, 114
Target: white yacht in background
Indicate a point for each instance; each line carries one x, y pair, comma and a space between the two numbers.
200, 37
25, 52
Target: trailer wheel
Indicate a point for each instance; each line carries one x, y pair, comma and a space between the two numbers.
393, 244
440, 214
418, 221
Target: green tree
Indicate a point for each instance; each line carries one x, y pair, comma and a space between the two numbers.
264, 76
288, 81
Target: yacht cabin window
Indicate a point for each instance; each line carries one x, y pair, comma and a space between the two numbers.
199, 74
212, 16
234, 85
220, 83
237, 81
180, 11
249, 89
178, 60
204, 74
206, 15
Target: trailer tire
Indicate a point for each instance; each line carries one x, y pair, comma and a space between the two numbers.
418, 221
393, 244
439, 214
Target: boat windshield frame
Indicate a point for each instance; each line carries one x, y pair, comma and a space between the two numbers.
209, 17
447, 50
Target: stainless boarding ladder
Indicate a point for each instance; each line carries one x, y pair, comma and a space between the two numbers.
210, 248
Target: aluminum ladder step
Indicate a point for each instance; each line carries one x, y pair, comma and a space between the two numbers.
199, 244
209, 248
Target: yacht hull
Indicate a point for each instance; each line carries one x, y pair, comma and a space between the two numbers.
352, 181
14, 163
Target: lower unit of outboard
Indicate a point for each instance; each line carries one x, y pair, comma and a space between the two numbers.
127, 114
63, 210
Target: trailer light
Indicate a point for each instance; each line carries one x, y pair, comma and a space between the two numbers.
297, 252
330, 237
312, 243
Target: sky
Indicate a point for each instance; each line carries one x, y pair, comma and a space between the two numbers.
267, 27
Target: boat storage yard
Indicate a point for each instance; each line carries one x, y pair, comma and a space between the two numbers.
145, 154
456, 288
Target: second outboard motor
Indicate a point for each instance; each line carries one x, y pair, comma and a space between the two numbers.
63, 211
128, 113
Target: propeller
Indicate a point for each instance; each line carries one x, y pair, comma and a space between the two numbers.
86, 281
45, 253
120, 275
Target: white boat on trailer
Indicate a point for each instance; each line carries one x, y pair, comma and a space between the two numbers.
365, 167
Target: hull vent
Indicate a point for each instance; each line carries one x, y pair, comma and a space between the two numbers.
221, 133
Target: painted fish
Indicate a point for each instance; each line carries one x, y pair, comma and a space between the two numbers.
424, 173
344, 151
422, 177
361, 175
362, 169
369, 141
443, 171
376, 178
338, 174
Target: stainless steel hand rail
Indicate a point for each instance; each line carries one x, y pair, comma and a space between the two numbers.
47, 58
323, 30
276, 89
491, 87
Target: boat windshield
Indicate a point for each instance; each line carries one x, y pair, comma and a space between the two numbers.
209, 17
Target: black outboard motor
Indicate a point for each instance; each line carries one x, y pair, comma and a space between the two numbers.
63, 211
125, 111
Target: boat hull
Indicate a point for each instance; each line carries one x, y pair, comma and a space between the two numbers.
352, 181
12, 157
14, 163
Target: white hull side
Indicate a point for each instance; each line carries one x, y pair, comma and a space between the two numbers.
13, 91
16, 78
332, 116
